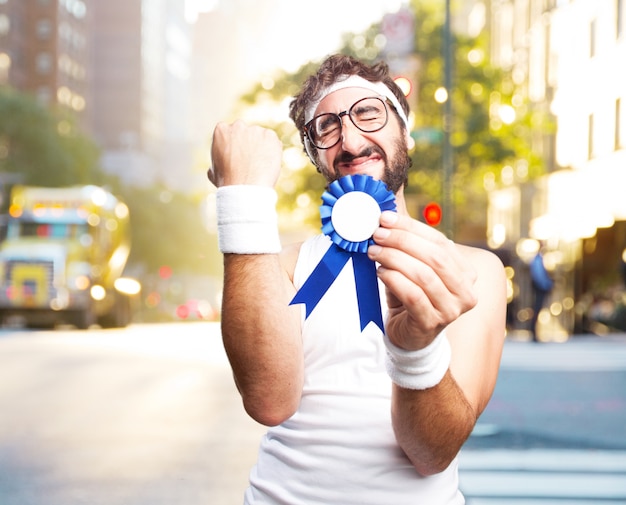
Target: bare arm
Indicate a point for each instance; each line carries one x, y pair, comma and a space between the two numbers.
261, 336
433, 285
261, 332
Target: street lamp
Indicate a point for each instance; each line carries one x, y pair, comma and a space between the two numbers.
448, 218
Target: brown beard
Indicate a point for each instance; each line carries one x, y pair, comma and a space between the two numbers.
396, 169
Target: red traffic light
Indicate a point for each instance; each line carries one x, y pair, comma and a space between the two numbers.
432, 213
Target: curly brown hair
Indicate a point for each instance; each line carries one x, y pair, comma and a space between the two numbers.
328, 72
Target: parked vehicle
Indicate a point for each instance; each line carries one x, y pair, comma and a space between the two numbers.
63, 258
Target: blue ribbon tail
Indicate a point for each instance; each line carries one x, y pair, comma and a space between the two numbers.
367, 293
324, 274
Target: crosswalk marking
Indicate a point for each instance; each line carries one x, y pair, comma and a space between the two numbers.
541, 476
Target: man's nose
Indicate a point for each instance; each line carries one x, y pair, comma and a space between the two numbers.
351, 137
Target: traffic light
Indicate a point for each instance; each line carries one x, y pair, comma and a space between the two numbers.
432, 213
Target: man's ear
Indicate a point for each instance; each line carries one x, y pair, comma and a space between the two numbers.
410, 141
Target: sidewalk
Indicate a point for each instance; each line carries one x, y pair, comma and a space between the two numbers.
578, 353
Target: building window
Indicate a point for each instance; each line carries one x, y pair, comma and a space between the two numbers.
43, 63
77, 8
549, 5
592, 38
44, 95
44, 29
590, 146
618, 124
5, 66
5, 24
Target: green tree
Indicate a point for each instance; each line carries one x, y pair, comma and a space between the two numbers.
492, 123
44, 146
167, 229
492, 129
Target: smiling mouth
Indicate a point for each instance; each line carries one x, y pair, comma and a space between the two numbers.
359, 163
348, 162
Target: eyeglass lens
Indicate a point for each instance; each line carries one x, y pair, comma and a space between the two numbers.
368, 115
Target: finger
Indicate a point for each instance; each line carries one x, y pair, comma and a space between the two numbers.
409, 253
392, 220
404, 296
398, 221
417, 285
389, 219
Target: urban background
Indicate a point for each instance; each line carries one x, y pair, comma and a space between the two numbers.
125, 94
106, 218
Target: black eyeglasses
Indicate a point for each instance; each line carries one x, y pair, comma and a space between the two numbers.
368, 115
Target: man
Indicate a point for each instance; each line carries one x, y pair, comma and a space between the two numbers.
355, 417
542, 284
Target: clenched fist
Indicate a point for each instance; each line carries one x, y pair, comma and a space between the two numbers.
244, 154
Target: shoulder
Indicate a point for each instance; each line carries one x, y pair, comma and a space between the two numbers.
490, 287
484, 262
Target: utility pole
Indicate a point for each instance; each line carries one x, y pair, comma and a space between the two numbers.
448, 162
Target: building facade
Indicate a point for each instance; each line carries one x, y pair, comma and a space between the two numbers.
141, 78
122, 66
45, 49
566, 56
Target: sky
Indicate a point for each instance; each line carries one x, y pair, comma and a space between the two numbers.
273, 35
324, 30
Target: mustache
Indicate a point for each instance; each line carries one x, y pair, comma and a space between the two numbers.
346, 157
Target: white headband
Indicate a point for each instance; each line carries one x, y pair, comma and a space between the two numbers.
356, 81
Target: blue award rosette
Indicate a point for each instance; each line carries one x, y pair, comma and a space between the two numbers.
350, 214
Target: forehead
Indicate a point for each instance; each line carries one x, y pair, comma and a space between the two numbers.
342, 99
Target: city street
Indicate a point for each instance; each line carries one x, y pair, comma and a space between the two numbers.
149, 415
555, 429
143, 416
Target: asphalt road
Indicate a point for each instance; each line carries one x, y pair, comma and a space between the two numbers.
558, 396
554, 432
149, 415
143, 416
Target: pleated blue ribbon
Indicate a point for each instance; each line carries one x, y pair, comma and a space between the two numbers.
342, 250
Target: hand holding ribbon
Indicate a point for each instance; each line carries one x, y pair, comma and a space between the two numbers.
350, 213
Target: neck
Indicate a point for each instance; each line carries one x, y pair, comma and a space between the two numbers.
401, 202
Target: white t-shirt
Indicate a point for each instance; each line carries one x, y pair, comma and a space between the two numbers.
339, 447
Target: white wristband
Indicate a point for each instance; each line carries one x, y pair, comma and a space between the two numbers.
247, 222
421, 369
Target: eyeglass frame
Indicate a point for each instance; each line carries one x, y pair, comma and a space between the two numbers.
385, 101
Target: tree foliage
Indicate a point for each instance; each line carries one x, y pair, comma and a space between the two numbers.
492, 122
485, 146
167, 229
43, 147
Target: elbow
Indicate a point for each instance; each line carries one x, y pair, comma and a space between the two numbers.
432, 467
269, 418
433, 458
269, 413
